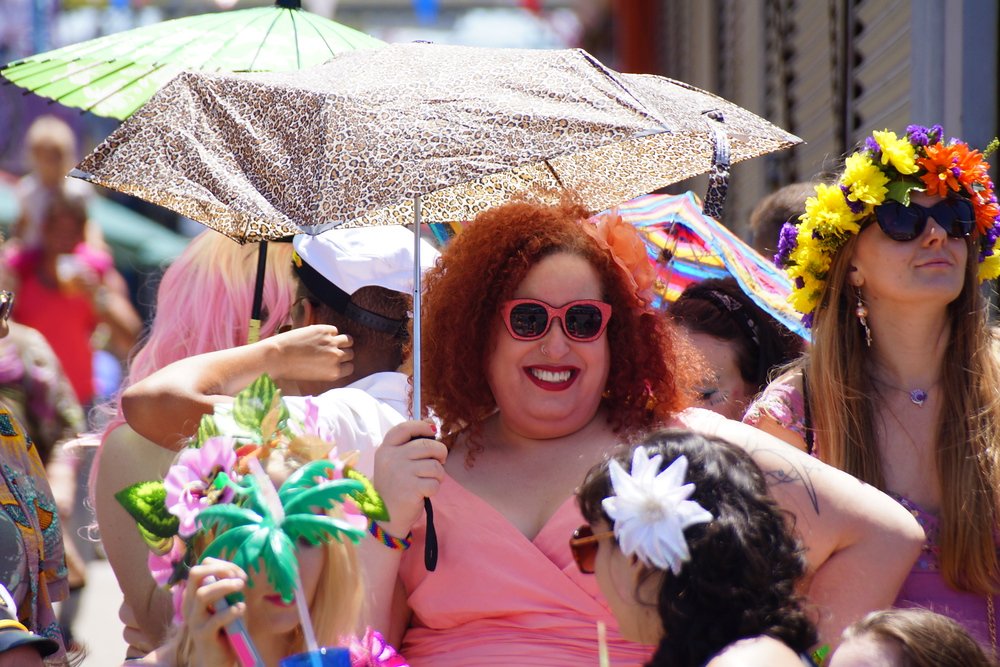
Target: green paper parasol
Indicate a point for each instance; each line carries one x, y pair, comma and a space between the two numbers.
116, 74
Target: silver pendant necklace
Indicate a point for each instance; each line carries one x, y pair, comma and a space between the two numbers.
917, 396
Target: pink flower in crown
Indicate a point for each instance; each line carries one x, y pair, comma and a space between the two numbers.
189, 481
627, 249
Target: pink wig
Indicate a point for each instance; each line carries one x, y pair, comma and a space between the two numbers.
203, 304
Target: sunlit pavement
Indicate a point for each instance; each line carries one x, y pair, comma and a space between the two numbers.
97, 623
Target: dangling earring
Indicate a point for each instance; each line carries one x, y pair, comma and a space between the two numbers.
862, 314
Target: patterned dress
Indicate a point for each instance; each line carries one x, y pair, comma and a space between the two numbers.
32, 566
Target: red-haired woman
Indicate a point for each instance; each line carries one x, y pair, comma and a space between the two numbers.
540, 355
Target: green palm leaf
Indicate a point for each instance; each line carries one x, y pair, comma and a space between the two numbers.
252, 548
280, 549
318, 529
324, 496
308, 476
227, 545
223, 517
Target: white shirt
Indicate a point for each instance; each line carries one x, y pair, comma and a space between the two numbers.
358, 416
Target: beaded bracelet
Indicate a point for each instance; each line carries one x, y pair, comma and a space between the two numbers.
379, 533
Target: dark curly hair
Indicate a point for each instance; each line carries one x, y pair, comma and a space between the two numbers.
719, 307
745, 563
483, 266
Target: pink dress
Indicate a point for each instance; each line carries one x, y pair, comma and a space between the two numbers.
500, 599
924, 587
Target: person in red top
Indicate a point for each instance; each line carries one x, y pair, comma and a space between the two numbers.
66, 288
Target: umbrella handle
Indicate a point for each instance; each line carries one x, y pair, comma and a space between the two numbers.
430, 540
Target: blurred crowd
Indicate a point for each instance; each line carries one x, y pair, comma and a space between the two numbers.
707, 457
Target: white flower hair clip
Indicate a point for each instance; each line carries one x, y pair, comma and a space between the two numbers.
650, 510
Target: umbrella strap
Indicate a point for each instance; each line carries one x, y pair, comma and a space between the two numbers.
718, 176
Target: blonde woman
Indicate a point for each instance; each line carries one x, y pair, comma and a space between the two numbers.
248, 547
900, 387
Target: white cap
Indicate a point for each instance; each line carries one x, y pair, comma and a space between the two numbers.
365, 256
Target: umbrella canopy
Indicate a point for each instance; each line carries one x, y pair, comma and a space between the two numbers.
357, 140
687, 246
116, 74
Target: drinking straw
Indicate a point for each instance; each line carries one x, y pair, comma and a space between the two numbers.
602, 645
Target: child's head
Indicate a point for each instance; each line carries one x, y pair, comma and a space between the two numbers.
908, 638
700, 556
51, 147
64, 225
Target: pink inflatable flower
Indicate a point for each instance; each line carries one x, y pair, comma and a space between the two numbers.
189, 481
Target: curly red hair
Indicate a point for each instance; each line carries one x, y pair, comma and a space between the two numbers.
483, 266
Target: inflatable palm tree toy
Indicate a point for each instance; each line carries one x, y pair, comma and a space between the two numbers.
218, 488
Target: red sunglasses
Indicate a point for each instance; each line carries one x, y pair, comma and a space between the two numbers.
583, 545
530, 319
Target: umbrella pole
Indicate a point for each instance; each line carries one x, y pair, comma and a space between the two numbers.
253, 332
430, 539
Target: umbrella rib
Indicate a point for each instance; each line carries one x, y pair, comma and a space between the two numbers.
548, 165
267, 34
310, 20
253, 19
223, 18
80, 87
154, 69
55, 64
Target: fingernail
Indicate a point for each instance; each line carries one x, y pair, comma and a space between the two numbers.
434, 428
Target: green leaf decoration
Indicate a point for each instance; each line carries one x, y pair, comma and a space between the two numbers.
159, 545
207, 428
368, 500
900, 191
146, 503
324, 496
252, 405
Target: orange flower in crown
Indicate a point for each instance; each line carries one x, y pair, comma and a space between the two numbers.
628, 250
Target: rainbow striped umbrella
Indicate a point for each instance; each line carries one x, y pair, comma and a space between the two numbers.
686, 246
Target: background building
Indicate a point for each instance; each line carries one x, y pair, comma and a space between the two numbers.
829, 71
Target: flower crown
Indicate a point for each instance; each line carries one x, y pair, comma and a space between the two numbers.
210, 492
650, 510
886, 168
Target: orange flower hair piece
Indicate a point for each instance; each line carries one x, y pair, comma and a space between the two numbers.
628, 250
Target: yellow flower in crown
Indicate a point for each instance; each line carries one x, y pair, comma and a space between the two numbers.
899, 153
886, 167
830, 213
864, 181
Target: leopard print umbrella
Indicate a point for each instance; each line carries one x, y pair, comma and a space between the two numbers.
354, 141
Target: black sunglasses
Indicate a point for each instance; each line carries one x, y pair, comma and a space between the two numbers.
905, 223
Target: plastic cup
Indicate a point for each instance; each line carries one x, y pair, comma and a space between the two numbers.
324, 657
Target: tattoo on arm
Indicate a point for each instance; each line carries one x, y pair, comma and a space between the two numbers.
794, 473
